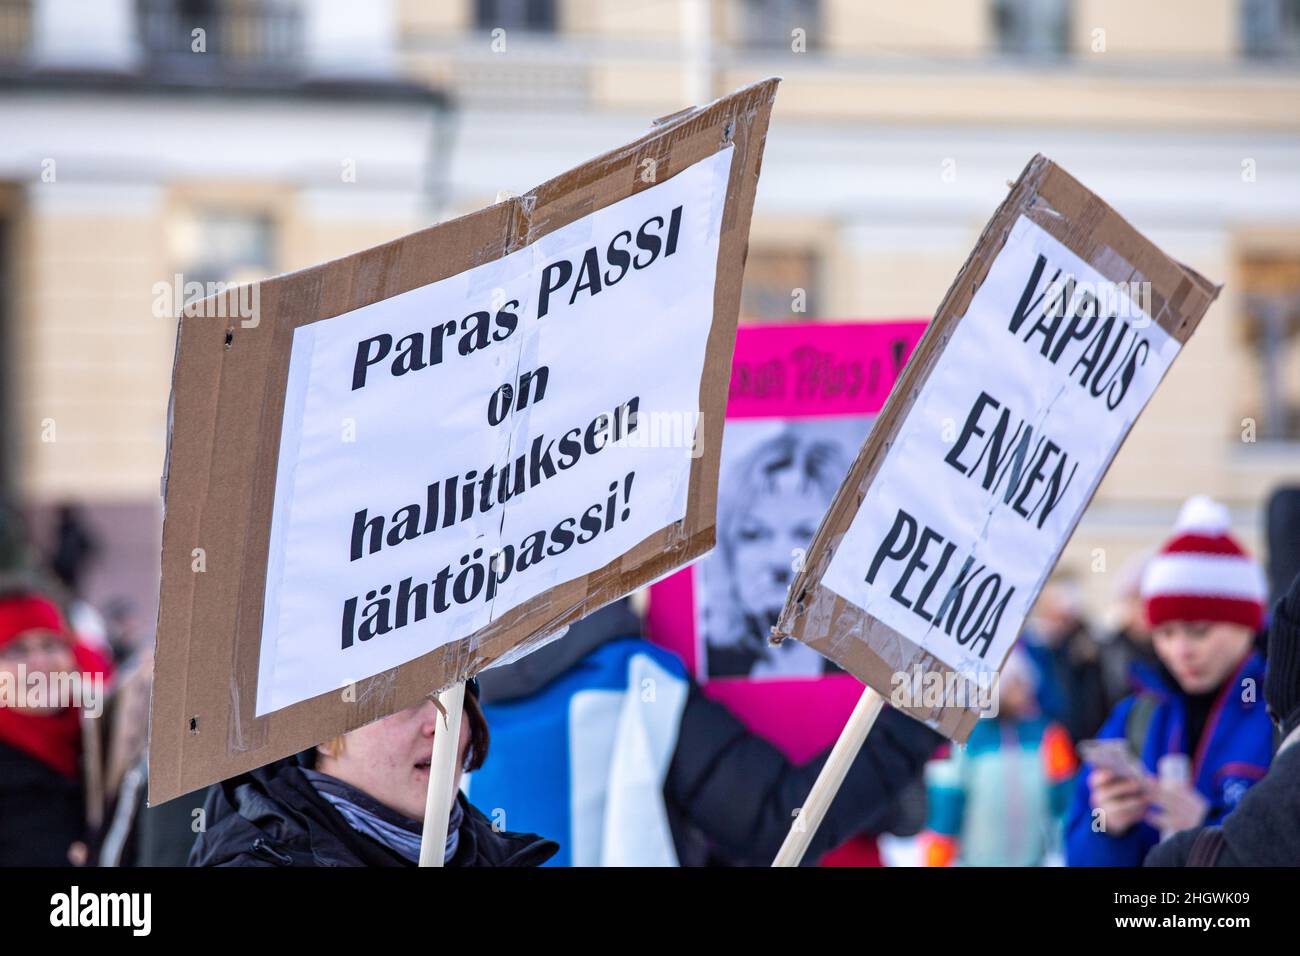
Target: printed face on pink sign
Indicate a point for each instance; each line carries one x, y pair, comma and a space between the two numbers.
778, 478
803, 398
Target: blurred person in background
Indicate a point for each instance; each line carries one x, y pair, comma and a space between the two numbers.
43, 808
74, 550
14, 551
1201, 733
1060, 644
1282, 519
1000, 799
1127, 658
1264, 829
603, 740
124, 627
75, 546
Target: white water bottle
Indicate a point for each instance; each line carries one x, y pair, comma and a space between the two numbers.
1173, 769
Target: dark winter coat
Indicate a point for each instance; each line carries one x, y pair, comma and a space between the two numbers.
42, 812
275, 817
1264, 829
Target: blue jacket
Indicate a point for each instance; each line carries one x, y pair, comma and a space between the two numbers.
1234, 753
585, 758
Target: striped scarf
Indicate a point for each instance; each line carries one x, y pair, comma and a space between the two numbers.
368, 816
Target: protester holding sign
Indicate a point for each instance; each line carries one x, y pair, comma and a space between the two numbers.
358, 800
691, 745
453, 450
1202, 732
1049, 344
605, 741
802, 398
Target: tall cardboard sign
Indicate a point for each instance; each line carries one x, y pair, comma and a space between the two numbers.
432, 454
1045, 350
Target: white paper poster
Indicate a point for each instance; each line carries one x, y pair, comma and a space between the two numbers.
450, 452
1027, 404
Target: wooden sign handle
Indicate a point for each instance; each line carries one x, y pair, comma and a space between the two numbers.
828, 782
442, 776
446, 747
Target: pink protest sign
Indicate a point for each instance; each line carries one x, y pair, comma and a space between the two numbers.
802, 400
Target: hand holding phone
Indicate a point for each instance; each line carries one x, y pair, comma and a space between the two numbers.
1113, 755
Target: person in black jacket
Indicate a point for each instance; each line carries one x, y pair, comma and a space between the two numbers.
42, 811
43, 818
604, 739
358, 800
1264, 828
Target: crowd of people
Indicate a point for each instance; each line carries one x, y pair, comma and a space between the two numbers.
1167, 736
1110, 741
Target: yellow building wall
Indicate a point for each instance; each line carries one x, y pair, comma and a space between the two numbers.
94, 363
1028, 97
93, 368
918, 26
1203, 30
435, 16
661, 20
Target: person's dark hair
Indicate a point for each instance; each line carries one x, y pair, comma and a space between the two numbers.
477, 750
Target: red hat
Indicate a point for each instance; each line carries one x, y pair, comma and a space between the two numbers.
30, 612
1203, 574
53, 739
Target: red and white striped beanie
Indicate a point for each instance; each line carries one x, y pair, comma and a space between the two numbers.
1202, 573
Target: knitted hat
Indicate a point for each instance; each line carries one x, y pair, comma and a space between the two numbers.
21, 613
1202, 573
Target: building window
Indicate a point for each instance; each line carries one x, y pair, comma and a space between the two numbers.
771, 24
779, 286
536, 16
1270, 288
1270, 29
205, 36
1032, 28
221, 245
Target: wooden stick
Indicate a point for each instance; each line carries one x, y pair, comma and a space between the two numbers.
446, 749
442, 776
92, 757
828, 782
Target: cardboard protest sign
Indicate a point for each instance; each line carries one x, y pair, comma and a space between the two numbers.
432, 454
1047, 347
802, 400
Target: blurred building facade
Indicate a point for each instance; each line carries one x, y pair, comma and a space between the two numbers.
153, 143
306, 130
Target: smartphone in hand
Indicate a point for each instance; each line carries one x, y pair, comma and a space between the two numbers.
1113, 755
